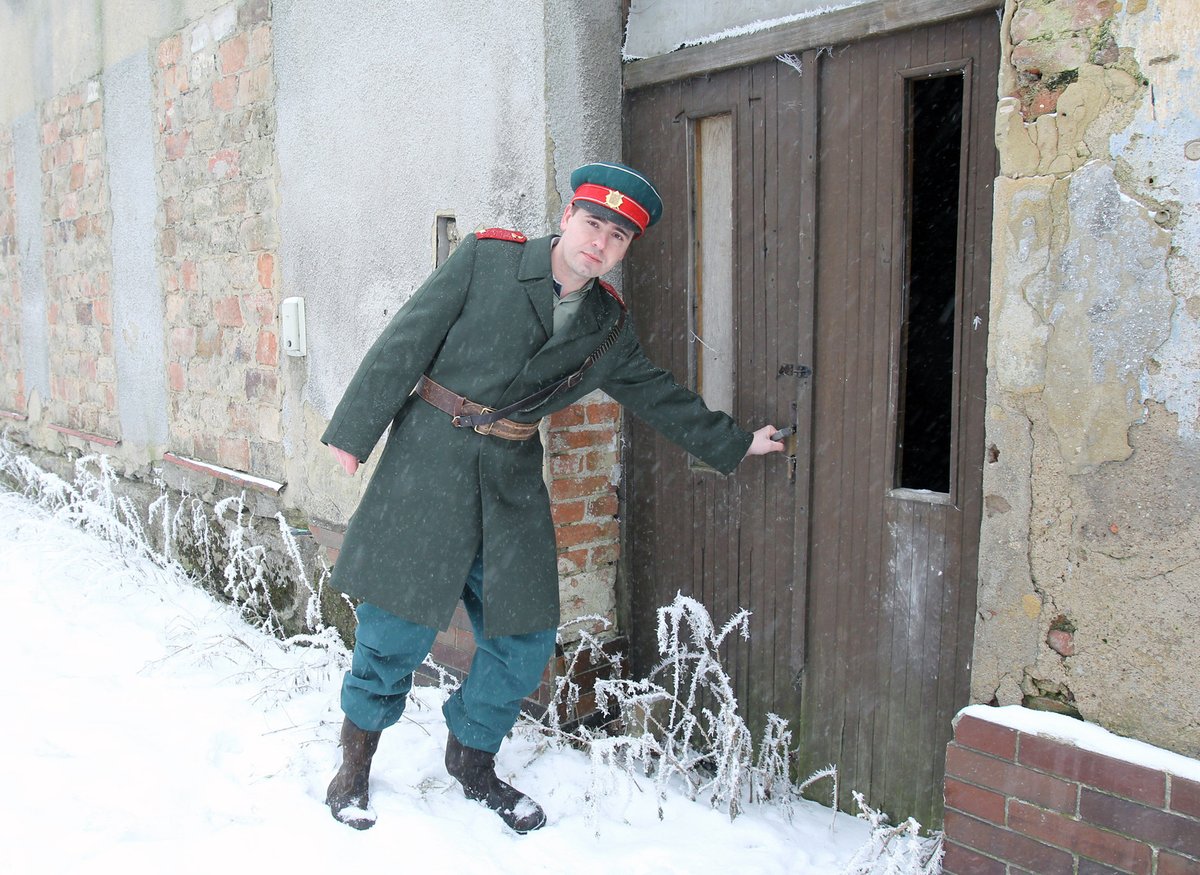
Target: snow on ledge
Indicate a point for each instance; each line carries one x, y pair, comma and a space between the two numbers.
238, 478
1087, 736
740, 30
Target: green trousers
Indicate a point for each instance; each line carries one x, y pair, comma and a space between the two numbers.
480, 713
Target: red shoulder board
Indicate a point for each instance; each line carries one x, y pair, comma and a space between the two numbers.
501, 234
615, 294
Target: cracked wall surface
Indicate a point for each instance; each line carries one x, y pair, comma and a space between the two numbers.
1089, 564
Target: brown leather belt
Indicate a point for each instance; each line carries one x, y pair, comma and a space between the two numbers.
456, 405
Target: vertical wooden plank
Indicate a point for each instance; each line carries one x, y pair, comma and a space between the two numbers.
803, 168
819, 711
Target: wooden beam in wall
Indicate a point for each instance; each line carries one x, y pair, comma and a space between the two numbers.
828, 29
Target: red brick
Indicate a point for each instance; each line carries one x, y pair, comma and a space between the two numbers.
254, 85
183, 342
577, 439
963, 861
986, 737
190, 276
450, 656
1091, 867
1065, 832
266, 270
1096, 770
601, 412
464, 640
1174, 864
224, 93
584, 533
1159, 828
599, 461
577, 487
228, 311
603, 506
170, 50
568, 417
233, 53
177, 144
175, 376
566, 466
224, 164
604, 554
1005, 845
975, 801
564, 512
1185, 796
572, 561
260, 384
267, 351
1046, 791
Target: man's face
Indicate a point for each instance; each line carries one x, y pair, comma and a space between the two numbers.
589, 247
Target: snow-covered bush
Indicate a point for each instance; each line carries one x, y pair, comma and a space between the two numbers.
218, 547
681, 722
894, 850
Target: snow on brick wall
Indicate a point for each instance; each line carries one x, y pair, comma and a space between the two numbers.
1049, 794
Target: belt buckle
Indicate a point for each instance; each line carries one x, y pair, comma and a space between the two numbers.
485, 429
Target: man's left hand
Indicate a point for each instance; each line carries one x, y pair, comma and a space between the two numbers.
762, 443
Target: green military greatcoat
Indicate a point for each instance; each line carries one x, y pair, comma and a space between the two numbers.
481, 326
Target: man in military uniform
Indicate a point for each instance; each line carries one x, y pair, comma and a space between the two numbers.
495, 339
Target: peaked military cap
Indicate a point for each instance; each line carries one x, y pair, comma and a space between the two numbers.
620, 189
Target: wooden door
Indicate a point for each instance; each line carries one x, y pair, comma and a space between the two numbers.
859, 182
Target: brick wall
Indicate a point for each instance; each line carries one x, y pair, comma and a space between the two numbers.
1018, 802
12, 382
218, 236
77, 222
583, 463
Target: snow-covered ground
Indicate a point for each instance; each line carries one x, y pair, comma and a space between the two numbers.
148, 729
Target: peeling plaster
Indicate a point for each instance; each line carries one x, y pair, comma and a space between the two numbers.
1092, 481
1110, 310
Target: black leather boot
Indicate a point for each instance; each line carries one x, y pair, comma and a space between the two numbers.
476, 771
347, 796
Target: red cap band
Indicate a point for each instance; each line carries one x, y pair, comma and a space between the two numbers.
615, 201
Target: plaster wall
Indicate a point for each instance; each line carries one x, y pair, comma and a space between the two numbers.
137, 299
1089, 564
424, 128
31, 247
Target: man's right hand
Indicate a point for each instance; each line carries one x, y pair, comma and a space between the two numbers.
348, 462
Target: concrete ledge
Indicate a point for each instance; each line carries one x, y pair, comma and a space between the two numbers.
92, 438
238, 478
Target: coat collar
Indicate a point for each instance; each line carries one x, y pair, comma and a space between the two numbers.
538, 281
536, 276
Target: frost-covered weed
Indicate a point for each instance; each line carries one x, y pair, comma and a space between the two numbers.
220, 544
680, 724
894, 850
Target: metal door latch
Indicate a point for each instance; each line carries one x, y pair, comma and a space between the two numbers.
802, 372
788, 436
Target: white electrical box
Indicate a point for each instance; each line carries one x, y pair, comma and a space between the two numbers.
291, 326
